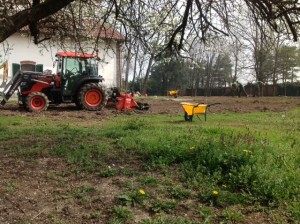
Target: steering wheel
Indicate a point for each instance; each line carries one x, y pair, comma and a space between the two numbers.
74, 70
69, 73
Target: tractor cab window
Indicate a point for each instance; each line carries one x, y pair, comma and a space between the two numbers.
80, 66
72, 67
90, 66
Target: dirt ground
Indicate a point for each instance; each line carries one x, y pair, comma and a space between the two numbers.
166, 105
46, 190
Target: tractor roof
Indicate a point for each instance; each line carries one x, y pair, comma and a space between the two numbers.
75, 54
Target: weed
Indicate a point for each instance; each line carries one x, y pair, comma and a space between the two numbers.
294, 210
160, 219
126, 199
127, 172
206, 213
179, 193
108, 172
83, 192
165, 206
209, 197
230, 198
10, 185
148, 181
96, 214
58, 176
120, 213
133, 198
134, 125
232, 216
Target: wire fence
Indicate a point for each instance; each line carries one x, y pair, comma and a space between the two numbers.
264, 90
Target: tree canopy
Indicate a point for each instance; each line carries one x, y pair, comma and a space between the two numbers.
179, 20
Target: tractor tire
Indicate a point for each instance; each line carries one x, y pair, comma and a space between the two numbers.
91, 96
36, 102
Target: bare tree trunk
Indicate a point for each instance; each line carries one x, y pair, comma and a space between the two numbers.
236, 60
135, 63
145, 83
118, 66
164, 90
197, 81
128, 60
208, 71
284, 82
274, 80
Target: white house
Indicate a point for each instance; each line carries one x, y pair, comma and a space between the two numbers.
20, 47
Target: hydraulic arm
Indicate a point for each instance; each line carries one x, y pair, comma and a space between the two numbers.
11, 87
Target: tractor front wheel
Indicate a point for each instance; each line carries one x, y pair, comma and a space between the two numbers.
36, 102
92, 96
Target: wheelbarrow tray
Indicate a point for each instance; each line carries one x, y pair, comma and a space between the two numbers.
173, 92
192, 109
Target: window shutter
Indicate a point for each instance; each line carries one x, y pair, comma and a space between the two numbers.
15, 68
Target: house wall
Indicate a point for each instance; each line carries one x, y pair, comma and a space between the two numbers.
19, 47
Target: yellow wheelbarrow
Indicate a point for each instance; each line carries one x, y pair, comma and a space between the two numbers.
174, 93
191, 109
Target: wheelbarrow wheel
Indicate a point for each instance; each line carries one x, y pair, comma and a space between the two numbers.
188, 117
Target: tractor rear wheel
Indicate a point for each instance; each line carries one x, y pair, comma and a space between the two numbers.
36, 102
92, 96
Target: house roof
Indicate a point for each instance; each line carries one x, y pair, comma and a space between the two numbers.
103, 32
108, 33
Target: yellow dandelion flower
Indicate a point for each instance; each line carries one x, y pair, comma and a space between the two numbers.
247, 151
215, 193
142, 191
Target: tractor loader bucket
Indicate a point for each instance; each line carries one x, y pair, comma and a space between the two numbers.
2, 93
3, 84
10, 87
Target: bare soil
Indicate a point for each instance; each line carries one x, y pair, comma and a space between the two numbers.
47, 190
165, 105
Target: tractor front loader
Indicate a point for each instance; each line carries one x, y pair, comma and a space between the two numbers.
76, 81
11, 87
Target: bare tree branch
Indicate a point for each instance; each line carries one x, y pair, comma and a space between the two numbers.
14, 23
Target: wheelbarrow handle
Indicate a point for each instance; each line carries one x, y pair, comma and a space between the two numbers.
212, 104
208, 105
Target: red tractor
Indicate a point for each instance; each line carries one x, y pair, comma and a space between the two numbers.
76, 81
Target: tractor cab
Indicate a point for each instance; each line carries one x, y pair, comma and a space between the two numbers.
72, 67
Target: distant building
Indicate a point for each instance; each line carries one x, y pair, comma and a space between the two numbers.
20, 47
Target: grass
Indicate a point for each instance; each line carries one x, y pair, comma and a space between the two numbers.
249, 159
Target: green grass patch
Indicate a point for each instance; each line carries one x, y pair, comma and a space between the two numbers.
247, 158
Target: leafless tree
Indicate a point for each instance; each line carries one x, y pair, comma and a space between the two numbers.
199, 16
